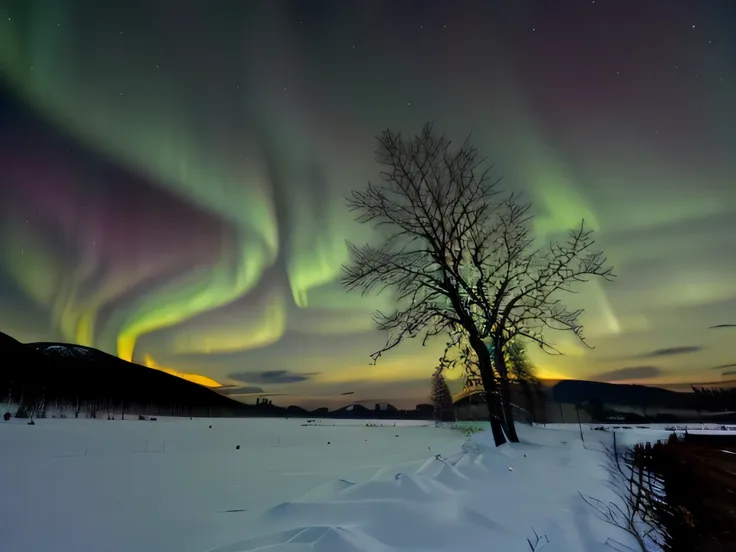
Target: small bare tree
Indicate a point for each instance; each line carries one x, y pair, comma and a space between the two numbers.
457, 252
441, 396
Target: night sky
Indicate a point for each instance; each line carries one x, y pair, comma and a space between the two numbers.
174, 172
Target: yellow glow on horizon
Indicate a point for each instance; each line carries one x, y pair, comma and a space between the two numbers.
194, 378
549, 373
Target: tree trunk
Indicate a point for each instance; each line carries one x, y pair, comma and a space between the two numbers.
497, 426
493, 399
508, 410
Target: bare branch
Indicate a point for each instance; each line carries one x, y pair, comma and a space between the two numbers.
534, 303
436, 209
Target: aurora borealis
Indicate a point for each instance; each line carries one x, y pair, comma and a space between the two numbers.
173, 175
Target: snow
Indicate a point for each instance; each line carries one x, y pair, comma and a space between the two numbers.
177, 484
66, 350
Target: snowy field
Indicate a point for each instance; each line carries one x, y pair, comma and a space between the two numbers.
179, 485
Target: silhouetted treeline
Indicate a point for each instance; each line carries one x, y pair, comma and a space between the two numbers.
712, 399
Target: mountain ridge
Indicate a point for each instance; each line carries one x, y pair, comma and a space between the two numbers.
73, 374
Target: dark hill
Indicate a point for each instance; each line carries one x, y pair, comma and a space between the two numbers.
577, 392
7, 343
296, 411
92, 380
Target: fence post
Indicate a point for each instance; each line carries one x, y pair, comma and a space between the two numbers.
580, 426
615, 450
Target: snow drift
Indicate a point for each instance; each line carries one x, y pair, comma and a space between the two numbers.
518, 497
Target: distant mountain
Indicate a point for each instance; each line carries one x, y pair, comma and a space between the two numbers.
688, 387
353, 410
577, 392
75, 375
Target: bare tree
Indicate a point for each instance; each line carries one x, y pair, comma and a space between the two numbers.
458, 253
434, 207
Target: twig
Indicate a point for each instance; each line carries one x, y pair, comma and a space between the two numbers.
540, 541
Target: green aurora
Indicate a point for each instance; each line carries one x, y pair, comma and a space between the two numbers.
177, 174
